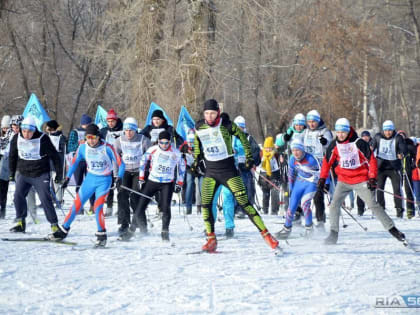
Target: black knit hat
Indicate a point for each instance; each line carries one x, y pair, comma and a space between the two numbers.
158, 113
211, 104
53, 124
165, 135
92, 129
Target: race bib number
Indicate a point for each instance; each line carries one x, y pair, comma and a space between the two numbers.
349, 155
387, 149
213, 143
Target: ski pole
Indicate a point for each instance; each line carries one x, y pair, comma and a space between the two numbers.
341, 215
138, 193
185, 213
395, 196
351, 216
267, 180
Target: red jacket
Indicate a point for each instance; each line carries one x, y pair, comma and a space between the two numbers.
367, 169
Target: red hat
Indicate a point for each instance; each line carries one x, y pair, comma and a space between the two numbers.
111, 114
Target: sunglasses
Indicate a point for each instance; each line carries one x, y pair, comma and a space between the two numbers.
91, 137
164, 142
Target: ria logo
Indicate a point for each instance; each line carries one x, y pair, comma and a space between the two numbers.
398, 301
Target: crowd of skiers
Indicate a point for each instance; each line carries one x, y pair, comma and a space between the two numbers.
217, 160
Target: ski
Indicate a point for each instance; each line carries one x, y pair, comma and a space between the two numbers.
198, 252
38, 239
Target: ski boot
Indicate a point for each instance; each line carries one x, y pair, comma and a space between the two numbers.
332, 238
189, 211
211, 244
397, 234
20, 226
122, 229
269, 239
400, 212
265, 210
165, 235
229, 233
59, 232
309, 231
100, 238
284, 233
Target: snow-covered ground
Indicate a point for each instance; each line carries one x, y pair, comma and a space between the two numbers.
146, 276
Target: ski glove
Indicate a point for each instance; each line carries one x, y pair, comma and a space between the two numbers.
65, 183
322, 140
372, 184
118, 182
177, 188
249, 164
58, 179
11, 178
321, 185
287, 137
141, 182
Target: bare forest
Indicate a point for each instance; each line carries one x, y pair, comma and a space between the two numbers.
264, 59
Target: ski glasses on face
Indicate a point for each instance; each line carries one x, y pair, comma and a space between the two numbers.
163, 142
91, 137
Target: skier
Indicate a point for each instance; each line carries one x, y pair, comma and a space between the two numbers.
356, 168
159, 124
76, 138
270, 170
294, 131
214, 141
187, 150
390, 149
316, 139
240, 159
30, 154
408, 165
130, 146
99, 157
5, 135
110, 133
59, 141
365, 135
303, 176
163, 161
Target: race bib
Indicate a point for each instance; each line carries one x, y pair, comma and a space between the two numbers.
98, 161
312, 144
131, 152
387, 150
163, 166
349, 155
29, 149
214, 145
154, 134
55, 140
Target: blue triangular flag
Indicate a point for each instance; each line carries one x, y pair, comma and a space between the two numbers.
185, 123
34, 108
152, 108
100, 117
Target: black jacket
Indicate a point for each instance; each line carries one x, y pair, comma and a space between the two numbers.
35, 168
401, 148
118, 127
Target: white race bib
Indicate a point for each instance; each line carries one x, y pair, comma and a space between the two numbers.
154, 134
214, 145
111, 136
163, 166
312, 144
131, 152
55, 141
98, 161
29, 149
349, 155
387, 150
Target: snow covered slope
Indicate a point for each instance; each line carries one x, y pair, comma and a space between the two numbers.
146, 276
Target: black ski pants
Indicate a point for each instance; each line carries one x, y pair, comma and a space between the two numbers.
150, 188
395, 178
42, 186
126, 199
4, 188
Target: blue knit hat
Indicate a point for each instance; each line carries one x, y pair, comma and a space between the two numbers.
297, 144
342, 124
313, 115
85, 120
299, 119
388, 125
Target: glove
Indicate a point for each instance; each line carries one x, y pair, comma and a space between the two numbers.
141, 182
321, 185
11, 178
372, 184
287, 137
194, 168
322, 140
177, 188
118, 182
58, 179
249, 163
65, 183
